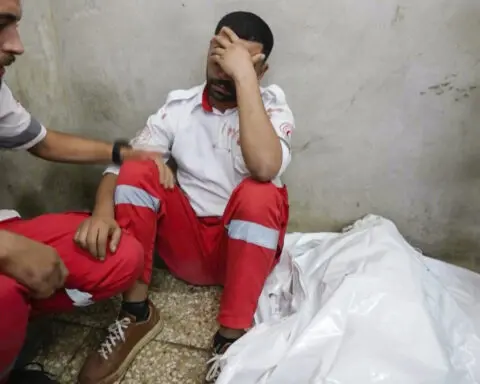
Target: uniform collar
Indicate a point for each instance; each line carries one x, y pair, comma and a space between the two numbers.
207, 107
202, 99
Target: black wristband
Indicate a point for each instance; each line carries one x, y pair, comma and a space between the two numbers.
116, 155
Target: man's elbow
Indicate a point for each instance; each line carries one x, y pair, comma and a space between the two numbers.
44, 149
265, 172
39, 150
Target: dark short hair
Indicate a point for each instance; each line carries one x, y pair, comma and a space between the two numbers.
250, 27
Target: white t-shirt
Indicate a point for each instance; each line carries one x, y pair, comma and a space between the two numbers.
18, 130
205, 144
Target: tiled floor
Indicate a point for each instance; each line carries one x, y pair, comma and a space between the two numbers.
178, 355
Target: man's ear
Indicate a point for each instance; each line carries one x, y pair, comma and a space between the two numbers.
264, 68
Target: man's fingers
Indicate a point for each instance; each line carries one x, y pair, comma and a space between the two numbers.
52, 282
231, 35
43, 293
102, 239
258, 58
92, 241
115, 239
217, 59
163, 175
64, 273
171, 180
168, 181
222, 41
60, 275
80, 237
161, 171
218, 51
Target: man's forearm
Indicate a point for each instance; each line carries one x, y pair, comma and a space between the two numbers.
261, 148
9, 243
104, 199
62, 147
6, 239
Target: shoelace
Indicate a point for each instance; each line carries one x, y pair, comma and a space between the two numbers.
115, 334
215, 368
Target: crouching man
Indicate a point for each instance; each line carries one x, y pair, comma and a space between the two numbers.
224, 221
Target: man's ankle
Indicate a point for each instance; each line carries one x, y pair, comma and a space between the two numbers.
230, 333
139, 309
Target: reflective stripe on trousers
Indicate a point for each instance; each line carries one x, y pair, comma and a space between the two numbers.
253, 233
126, 194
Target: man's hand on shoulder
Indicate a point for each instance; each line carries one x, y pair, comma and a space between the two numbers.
35, 265
97, 233
167, 177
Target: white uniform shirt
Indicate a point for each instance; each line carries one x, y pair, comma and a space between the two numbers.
205, 144
18, 130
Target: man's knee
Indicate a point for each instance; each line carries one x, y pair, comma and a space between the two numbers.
255, 199
137, 171
13, 322
138, 185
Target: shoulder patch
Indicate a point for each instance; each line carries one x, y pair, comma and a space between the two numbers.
183, 94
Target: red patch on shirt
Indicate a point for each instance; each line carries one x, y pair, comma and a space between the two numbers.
286, 129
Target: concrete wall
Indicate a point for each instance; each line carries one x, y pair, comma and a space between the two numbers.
385, 95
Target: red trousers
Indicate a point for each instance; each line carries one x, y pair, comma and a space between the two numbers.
99, 280
237, 250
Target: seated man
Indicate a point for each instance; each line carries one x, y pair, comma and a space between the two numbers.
225, 221
41, 268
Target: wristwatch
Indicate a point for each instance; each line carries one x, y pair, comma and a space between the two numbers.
118, 145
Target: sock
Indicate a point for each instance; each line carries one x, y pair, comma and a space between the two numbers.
219, 342
139, 309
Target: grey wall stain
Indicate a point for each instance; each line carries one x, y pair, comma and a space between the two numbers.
399, 15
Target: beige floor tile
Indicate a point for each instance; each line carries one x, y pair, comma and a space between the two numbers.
160, 363
190, 317
99, 315
58, 352
163, 281
91, 343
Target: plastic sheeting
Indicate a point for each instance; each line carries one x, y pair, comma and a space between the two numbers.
361, 307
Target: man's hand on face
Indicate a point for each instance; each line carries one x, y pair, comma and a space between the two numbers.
36, 266
232, 56
96, 233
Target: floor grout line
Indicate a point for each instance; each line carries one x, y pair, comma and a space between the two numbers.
180, 345
76, 324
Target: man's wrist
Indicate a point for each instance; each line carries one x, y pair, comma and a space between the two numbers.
104, 210
119, 151
248, 74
